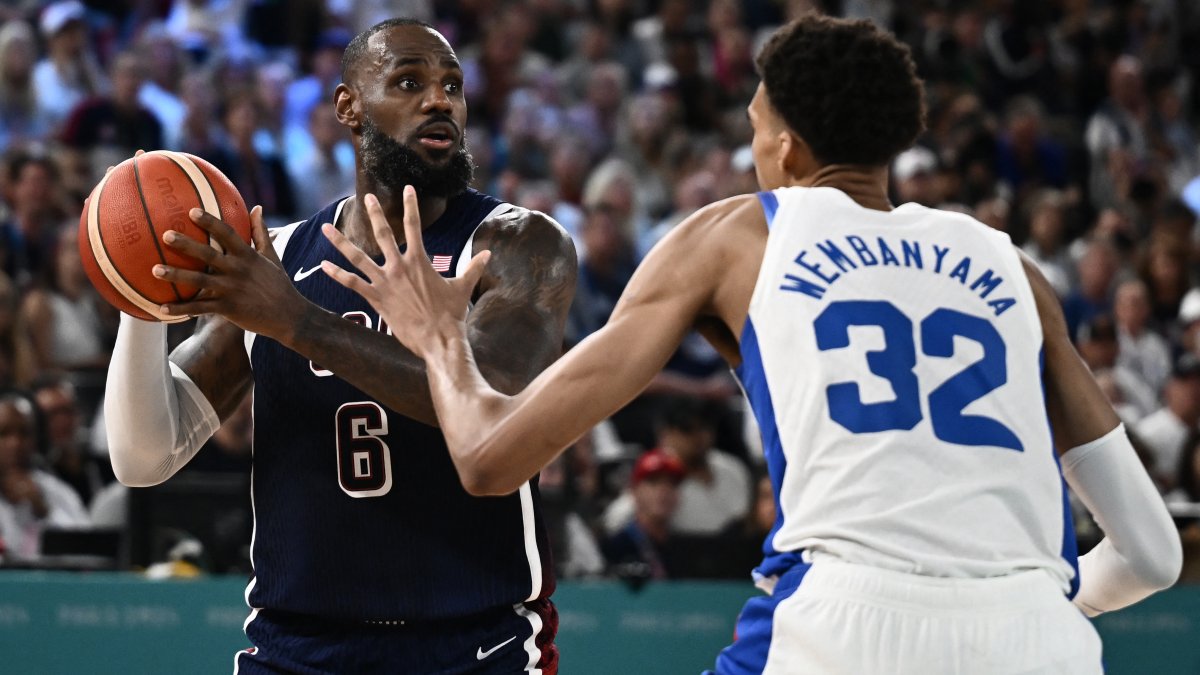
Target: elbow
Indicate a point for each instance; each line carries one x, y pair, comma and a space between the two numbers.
483, 483
482, 476
1162, 570
128, 472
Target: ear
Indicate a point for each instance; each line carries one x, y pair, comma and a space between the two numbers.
345, 104
795, 157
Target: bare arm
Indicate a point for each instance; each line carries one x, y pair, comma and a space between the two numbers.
498, 441
1079, 412
526, 291
1141, 551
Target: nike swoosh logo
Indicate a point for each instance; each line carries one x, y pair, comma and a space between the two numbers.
302, 274
481, 655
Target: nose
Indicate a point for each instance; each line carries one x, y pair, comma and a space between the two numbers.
436, 100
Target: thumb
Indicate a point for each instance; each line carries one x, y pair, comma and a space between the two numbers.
260, 236
474, 272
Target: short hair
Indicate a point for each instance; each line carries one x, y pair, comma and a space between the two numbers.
358, 46
848, 88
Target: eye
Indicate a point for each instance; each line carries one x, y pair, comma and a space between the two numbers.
408, 83
453, 87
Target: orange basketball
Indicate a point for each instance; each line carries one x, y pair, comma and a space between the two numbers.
123, 221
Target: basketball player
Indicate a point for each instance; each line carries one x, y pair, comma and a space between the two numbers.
910, 372
369, 556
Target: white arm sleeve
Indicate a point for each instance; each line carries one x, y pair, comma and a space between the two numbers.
1141, 552
155, 416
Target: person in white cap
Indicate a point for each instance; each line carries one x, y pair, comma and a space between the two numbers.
1189, 321
69, 73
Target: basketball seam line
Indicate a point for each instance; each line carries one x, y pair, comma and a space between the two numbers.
196, 189
137, 179
108, 254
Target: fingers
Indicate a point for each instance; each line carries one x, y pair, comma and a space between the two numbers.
224, 234
474, 272
139, 153
412, 223
347, 279
191, 248
353, 253
176, 275
382, 229
261, 237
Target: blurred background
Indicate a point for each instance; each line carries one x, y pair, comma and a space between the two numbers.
1069, 124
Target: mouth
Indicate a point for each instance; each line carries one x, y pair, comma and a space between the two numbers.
437, 136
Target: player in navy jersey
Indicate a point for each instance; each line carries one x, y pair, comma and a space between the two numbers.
911, 374
369, 554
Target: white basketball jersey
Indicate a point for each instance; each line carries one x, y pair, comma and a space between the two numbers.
893, 361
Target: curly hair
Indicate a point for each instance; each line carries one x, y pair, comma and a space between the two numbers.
848, 88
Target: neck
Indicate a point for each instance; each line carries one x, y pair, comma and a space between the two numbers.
357, 225
655, 528
866, 185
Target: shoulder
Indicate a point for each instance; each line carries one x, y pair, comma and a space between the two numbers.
723, 231
523, 228
528, 248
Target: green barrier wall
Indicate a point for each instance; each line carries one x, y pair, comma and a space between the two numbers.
62, 623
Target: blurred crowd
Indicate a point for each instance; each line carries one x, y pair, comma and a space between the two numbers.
1069, 124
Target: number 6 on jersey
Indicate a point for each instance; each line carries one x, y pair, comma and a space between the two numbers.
364, 461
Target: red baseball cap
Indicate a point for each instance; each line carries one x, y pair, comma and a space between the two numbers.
655, 463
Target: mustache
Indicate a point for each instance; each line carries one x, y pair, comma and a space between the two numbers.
439, 119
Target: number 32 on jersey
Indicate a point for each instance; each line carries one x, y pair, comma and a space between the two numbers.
896, 361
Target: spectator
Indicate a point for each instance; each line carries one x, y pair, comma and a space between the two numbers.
912, 172
20, 121
64, 315
165, 72
1187, 476
574, 549
715, 489
1046, 245
605, 268
1164, 268
260, 178
1116, 134
741, 544
327, 172
31, 500
1165, 430
1096, 271
67, 453
1027, 159
27, 238
16, 353
117, 122
643, 549
316, 88
1141, 349
1097, 343
70, 72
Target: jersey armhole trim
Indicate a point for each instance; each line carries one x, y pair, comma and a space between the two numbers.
770, 204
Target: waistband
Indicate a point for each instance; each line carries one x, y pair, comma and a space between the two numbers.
1026, 589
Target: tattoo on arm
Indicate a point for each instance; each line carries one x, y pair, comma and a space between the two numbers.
515, 328
215, 358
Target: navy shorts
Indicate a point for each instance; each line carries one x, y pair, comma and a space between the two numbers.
517, 639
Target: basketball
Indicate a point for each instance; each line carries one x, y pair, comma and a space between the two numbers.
124, 218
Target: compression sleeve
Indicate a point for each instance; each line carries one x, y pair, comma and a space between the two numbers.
155, 416
1141, 552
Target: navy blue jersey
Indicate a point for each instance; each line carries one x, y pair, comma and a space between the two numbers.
359, 513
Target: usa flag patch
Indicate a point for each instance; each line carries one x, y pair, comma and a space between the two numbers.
441, 263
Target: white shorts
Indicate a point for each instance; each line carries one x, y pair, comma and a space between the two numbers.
840, 618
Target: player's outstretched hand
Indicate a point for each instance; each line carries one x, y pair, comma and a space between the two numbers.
242, 283
422, 308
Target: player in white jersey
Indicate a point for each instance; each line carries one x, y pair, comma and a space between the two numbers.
910, 371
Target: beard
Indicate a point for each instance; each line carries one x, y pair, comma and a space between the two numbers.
392, 164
